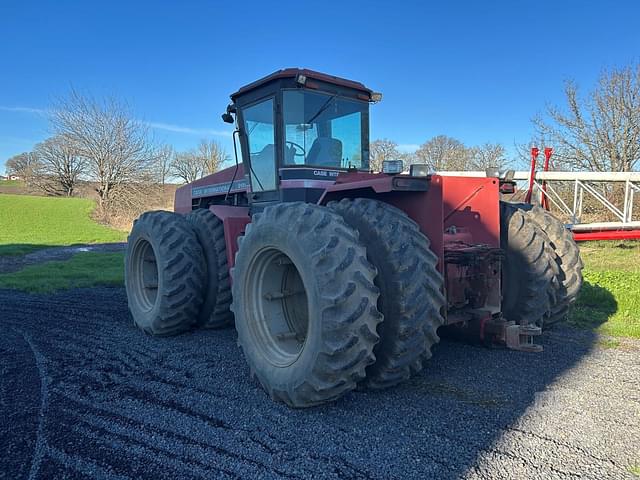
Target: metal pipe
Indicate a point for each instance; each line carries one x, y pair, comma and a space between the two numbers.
608, 235
532, 174
547, 156
633, 177
593, 227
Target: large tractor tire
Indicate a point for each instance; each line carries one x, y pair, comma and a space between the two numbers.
411, 296
529, 268
163, 273
566, 256
215, 311
304, 301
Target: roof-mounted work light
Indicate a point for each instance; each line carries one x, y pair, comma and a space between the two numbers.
419, 170
492, 172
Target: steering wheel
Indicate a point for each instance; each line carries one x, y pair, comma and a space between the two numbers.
299, 150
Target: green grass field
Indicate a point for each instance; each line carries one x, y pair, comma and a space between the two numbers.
85, 269
10, 183
12, 186
610, 297
28, 223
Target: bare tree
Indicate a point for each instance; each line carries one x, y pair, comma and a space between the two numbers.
489, 155
134, 198
212, 155
24, 165
207, 158
599, 132
164, 158
187, 166
444, 153
382, 150
60, 167
115, 145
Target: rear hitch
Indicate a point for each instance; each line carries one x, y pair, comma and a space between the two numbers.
520, 337
514, 336
494, 330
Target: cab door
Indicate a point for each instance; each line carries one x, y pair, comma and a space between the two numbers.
259, 136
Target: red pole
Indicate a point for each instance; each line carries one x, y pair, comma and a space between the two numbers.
547, 156
534, 156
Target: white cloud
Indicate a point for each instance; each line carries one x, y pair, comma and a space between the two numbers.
192, 131
38, 111
408, 147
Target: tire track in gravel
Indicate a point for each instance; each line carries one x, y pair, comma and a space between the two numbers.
20, 402
123, 405
39, 450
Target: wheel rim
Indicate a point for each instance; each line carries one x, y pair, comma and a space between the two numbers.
145, 275
277, 307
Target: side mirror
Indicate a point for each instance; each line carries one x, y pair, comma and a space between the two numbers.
227, 118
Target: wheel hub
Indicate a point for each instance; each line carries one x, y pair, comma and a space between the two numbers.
278, 306
145, 280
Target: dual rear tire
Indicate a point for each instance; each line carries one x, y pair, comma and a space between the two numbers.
330, 299
411, 298
176, 273
565, 256
164, 274
542, 274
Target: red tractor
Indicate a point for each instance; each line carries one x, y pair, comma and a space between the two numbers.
335, 276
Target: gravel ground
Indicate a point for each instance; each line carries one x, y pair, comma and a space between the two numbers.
83, 394
18, 262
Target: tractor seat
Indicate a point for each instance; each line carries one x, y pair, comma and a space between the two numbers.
325, 152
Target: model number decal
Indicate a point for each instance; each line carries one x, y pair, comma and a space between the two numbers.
206, 190
325, 173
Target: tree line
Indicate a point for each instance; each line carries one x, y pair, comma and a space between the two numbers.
101, 143
440, 153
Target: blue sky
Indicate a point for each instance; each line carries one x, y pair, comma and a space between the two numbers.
474, 70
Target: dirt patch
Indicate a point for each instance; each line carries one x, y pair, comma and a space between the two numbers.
10, 264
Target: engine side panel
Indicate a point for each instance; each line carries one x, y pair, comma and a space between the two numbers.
473, 203
212, 186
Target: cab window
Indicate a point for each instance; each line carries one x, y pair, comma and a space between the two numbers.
259, 128
325, 130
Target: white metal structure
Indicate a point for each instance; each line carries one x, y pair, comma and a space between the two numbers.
590, 182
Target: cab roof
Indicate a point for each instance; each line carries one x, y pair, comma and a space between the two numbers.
294, 73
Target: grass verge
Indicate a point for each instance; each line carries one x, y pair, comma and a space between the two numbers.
28, 223
10, 183
86, 269
610, 297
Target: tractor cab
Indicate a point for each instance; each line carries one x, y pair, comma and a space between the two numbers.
300, 119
